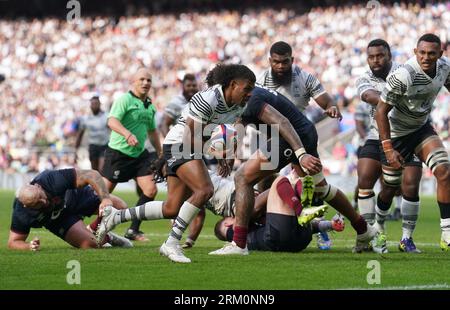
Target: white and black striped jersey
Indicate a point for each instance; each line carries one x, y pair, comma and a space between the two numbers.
412, 93
97, 128
222, 201
368, 81
303, 87
176, 106
206, 107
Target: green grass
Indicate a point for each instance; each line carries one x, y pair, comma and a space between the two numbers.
143, 268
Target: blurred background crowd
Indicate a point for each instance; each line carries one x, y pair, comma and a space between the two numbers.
49, 68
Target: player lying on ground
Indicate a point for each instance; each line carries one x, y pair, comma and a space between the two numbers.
403, 119
58, 200
369, 87
282, 231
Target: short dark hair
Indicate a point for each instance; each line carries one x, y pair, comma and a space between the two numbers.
188, 77
281, 48
95, 98
380, 42
217, 231
430, 37
223, 74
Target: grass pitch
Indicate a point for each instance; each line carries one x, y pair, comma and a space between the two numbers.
143, 268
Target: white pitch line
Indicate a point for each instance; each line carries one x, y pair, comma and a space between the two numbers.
407, 287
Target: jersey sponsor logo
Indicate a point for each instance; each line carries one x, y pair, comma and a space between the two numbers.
116, 174
56, 214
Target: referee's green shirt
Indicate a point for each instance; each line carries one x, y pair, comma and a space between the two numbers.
134, 116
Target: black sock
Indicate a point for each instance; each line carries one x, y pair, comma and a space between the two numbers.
383, 205
135, 224
445, 210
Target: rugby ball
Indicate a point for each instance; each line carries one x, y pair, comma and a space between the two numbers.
223, 141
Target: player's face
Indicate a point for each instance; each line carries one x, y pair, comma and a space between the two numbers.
190, 88
378, 58
241, 90
95, 106
427, 54
281, 65
142, 83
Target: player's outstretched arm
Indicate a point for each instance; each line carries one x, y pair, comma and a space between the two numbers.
17, 241
331, 109
94, 179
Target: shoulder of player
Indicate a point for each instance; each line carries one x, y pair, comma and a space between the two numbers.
403, 74
209, 96
444, 63
262, 77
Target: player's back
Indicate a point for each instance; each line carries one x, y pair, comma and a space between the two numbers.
262, 95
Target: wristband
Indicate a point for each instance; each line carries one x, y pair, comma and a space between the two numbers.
300, 152
387, 145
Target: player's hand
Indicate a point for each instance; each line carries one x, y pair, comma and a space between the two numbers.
310, 165
334, 112
35, 244
105, 202
132, 140
394, 159
224, 168
187, 245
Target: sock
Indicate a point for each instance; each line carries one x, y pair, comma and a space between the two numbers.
287, 194
240, 236
360, 225
150, 211
95, 223
398, 202
298, 187
325, 226
135, 224
445, 221
185, 216
382, 210
366, 204
410, 213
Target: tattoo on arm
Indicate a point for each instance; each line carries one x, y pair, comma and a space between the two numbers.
94, 179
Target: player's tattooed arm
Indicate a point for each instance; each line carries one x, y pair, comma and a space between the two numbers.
94, 179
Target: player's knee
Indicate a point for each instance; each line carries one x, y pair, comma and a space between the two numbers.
442, 173
201, 196
150, 191
392, 178
87, 244
326, 192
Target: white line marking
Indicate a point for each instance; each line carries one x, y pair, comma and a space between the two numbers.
407, 287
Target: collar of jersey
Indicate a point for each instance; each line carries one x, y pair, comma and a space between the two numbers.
147, 102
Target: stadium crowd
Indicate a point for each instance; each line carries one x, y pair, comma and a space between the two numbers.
51, 68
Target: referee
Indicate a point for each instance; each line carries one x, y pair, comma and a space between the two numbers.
131, 119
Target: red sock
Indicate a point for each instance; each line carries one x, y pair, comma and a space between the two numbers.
298, 188
240, 236
360, 225
287, 194
95, 223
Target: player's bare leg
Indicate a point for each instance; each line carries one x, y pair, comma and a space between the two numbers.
435, 156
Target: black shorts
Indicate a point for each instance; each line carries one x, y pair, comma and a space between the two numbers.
373, 149
286, 154
175, 157
281, 233
120, 168
406, 145
96, 151
83, 202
